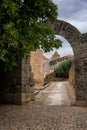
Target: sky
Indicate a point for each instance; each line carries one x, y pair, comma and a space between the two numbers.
74, 12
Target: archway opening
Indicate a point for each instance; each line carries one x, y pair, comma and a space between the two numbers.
66, 48
79, 46
58, 56
78, 42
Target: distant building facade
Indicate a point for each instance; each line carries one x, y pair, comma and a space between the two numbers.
46, 67
42, 66
56, 60
36, 62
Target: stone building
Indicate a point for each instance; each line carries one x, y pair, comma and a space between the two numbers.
36, 62
56, 60
55, 55
46, 67
42, 66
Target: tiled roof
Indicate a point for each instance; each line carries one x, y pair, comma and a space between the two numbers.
56, 54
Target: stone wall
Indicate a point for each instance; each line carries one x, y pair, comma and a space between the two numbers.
46, 67
81, 71
36, 62
27, 81
16, 86
10, 85
54, 62
78, 42
72, 75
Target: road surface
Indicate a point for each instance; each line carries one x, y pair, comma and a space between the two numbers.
55, 94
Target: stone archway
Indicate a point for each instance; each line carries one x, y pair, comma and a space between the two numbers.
78, 42
21, 81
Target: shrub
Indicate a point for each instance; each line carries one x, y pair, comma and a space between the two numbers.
62, 70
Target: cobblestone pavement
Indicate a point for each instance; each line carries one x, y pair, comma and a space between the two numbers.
39, 116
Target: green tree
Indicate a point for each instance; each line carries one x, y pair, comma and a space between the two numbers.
23, 30
62, 70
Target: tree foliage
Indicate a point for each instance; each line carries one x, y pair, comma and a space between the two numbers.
62, 70
22, 29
